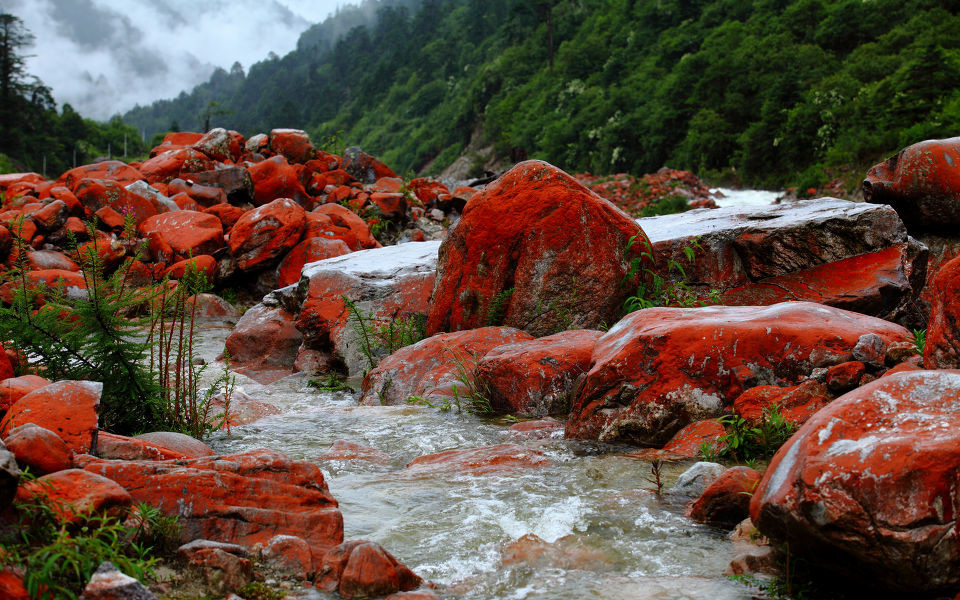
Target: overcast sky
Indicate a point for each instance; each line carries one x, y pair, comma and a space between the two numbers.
105, 56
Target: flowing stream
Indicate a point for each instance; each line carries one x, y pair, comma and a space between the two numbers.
744, 197
608, 535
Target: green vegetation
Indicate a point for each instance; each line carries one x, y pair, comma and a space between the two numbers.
919, 340
745, 442
382, 339
661, 291
472, 395
762, 93
60, 549
331, 383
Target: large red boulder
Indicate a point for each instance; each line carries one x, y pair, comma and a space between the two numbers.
921, 182
537, 251
74, 492
40, 449
362, 569
661, 368
435, 369
187, 232
13, 388
70, 283
942, 347
366, 168
340, 223
263, 235
795, 403
243, 498
68, 408
535, 377
308, 251
276, 178
113, 170
293, 144
169, 165
94, 194
220, 144
390, 286
264, 343
176, 141
726, 501
868, 486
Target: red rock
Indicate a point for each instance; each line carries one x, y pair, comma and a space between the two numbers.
867, 486
536, 430
516, 235
275, 178
227, 213
40, 449
186, 232
9, 179
68, 408
221, 566
202, 195
221, 498
920, 182
293, 144
203, 264
22, 228
185, 202
263, 342
726, 501
41, 260
362, 569
391, 206
344, 450
120, 447
535, 377
942, 347
13, 388
904, 367
75, 492
51, 216
169, 165
844, 377
432, 368
11, 583
389, 185
107, 250
567, 553
364, 167
176, 141
289, 554
109, 583
177, 442
210, 306
113, 170
308, 251
6, 241
795, 403
220, 144
337, 222
97, 193
427, 190
263, 235
478, 461
109, 219
687, 443
66, 196
661, 368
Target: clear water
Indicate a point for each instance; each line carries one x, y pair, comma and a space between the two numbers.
744, 197
610, 537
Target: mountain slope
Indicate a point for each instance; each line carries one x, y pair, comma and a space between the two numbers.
770, 91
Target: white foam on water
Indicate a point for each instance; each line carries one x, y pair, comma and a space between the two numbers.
744, 197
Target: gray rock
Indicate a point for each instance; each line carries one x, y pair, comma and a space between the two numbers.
9, 476
696, 479
870, 349
108, 583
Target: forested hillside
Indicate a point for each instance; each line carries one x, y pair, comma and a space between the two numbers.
769, 91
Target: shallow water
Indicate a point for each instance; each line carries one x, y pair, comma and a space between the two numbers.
744, 197
609, 536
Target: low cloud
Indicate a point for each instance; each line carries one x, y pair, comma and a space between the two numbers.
105, 56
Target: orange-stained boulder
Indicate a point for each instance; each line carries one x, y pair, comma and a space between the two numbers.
478, 461
568, 553
67, 408
796, 403
389, 285
227, 213
276, 178
263, 345
338, 222
921, 182
364, 167
427, 190
535, 377
661, 368
220, 144
178, 442
40, 449
263, 235
9, 179
12, 586
97, 193
390, 205
222, 498
289, 554
186, 232
203, 264
536, 430
867, 487
308, 251
51, 216
726, 501
844, 377
362, 569
689, 441
293, 144
113, 170
169, 165
75, 492
121, 447
13, 388
102, 247
202, 195
433, 369
42, 260
110, 583
516, 245
942, 348
71, 284
176, 141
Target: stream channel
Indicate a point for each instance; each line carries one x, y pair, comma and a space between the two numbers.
610, 536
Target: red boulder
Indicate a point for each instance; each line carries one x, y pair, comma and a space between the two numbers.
942, 347
293, 144
726, 501
186, 232
276, 178
165, 167
308, 251
263, 235
40, 449
113, 170
75, 492
68, 408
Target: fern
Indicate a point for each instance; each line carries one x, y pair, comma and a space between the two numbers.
497, 309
